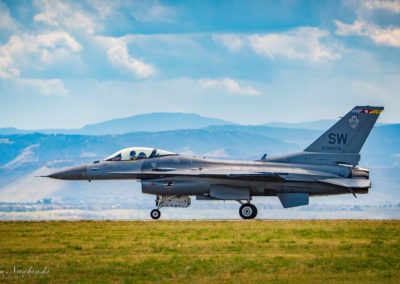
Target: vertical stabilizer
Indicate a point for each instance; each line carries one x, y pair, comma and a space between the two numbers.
348, 135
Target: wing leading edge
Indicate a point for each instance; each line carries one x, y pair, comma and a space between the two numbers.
225, 174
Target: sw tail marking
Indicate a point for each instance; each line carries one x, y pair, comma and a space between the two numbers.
340, 138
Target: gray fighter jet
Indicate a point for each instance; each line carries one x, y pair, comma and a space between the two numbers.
327, 167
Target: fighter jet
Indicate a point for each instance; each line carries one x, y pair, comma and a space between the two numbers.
327, 167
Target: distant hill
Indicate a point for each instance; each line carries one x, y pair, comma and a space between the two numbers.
382, 146
11, 130
314, 125
151, 122
165, 121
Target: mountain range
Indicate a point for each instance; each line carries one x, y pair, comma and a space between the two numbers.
151, 122
162, 121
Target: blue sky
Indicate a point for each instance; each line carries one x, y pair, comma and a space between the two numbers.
67, 64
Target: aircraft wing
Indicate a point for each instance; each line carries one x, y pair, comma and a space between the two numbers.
209, 173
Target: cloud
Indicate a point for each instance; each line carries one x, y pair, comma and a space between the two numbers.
230, 86
390, 5
23, 48
51, 87
389, 36
187, 152
56, 41
152, 11
6, 21
219, 153
62, 14
104, 7
117, 54
301, 43
349, 29
305, 43
88, 155
231, 41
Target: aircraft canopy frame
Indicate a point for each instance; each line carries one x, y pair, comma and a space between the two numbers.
137, 153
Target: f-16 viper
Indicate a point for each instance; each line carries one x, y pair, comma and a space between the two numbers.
327, 167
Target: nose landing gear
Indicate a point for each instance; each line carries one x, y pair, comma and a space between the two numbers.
169, 201
155, 214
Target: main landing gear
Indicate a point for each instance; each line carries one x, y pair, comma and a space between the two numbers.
248, 211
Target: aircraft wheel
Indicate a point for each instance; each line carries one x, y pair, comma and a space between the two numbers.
155, 214
248, 211
255, 211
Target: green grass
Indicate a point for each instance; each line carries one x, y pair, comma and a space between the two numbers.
204, 251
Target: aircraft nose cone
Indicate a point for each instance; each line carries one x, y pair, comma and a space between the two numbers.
76, 173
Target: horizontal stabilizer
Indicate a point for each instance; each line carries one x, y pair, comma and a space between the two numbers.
293, 199
348, 182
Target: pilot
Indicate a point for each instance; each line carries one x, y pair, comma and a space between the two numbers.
141, 155
132, 155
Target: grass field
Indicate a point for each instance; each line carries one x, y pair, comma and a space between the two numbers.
201, 251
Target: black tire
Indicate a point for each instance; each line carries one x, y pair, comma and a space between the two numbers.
155, 214
255, 211
248, 211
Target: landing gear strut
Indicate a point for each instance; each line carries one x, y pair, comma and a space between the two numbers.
156, 213
248, 211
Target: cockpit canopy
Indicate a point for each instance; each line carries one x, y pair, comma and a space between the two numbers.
137, 153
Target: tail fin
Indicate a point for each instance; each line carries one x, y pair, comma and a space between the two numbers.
349, 133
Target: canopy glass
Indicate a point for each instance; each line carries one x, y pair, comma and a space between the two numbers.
137, 153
